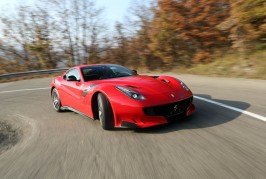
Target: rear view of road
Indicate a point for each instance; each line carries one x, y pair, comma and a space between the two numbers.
215, 142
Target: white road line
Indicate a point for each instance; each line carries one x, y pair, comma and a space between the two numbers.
233, 108
33, 89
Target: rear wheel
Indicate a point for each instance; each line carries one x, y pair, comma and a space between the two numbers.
56, 100
105, 112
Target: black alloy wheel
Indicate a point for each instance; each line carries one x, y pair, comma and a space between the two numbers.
105, 112
56, 100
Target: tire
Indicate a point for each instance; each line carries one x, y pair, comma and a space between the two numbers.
105, 112
56, 100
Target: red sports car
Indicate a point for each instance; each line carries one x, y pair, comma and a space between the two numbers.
119, 97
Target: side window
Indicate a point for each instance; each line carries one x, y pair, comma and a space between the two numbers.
91, 73
73, 72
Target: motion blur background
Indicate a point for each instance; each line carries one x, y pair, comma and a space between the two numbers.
207, 37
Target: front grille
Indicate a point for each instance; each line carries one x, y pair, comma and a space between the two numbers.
169, 110
174, 118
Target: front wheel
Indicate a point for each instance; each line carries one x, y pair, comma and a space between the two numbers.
105, 112
56, 100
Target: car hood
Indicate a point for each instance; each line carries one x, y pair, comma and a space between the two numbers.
144, 84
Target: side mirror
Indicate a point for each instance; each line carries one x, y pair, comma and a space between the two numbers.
72, 78
135, 72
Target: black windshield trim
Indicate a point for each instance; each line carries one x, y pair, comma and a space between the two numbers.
103, 72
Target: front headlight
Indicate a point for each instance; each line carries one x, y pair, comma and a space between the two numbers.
130, 93
183, 85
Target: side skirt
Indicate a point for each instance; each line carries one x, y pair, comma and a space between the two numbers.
76, 111
82, 114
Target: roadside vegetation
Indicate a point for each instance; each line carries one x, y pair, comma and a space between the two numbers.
253, 66
206, 37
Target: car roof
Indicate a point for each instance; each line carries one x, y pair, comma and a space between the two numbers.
87, 65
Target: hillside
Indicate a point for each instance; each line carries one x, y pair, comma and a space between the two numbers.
252, 65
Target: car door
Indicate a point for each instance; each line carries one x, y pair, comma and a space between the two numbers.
72, 88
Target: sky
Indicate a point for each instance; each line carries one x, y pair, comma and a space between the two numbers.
115, 10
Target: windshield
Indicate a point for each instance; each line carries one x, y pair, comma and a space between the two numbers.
100, 72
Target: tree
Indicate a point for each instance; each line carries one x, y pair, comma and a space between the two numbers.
187, 29
28, 39
139, 47
15, 38
80, 28
246, 23
131, 39
52, 31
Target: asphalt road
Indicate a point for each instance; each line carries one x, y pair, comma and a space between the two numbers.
215, 142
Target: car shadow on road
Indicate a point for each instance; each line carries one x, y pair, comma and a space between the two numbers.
206, 115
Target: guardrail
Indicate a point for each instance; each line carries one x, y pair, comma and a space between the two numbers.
28, 73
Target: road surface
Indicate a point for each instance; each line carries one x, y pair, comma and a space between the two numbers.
216, 142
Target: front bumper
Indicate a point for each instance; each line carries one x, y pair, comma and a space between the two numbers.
141, 115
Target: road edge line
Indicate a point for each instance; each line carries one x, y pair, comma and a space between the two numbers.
33, 89
262, 118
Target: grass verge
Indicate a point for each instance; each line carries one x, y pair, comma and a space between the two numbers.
251, 65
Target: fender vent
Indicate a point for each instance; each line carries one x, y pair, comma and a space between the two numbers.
166, 81
130, 86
